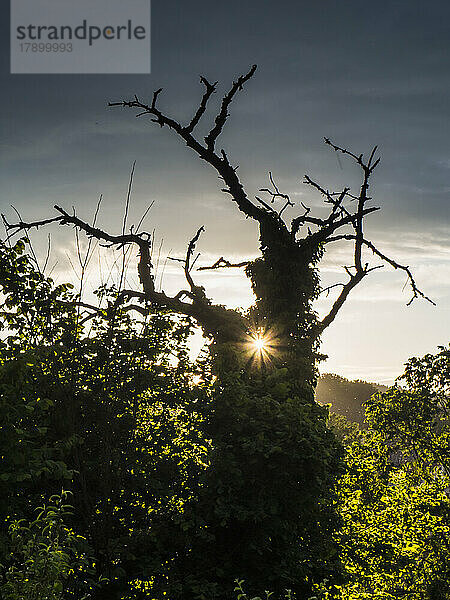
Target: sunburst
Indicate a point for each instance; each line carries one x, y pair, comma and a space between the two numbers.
261, 346
260, 343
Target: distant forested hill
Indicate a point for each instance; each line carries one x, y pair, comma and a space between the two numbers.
346, 397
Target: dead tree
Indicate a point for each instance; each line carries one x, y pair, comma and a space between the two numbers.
292, 487
290, 252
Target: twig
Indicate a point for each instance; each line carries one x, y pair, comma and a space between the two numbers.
221, 263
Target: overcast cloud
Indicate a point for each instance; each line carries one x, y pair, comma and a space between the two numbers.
359, 73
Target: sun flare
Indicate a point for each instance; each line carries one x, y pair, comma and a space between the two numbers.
260, 343
261, 346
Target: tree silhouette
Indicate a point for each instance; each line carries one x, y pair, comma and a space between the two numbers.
265, 511
279, 241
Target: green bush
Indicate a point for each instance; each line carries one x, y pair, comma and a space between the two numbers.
47, 559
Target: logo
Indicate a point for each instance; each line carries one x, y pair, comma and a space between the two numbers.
82, 36
50, 33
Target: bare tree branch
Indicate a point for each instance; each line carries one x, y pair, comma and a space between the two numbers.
334, 198
339, 217
210, 89
337, 305
370, 165
24, 226
209, 316
221, 263
416, 291
223, 115
187, 262
275, 194
141, 239
206, 152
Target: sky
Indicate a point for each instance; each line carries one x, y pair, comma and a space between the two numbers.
359, 73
